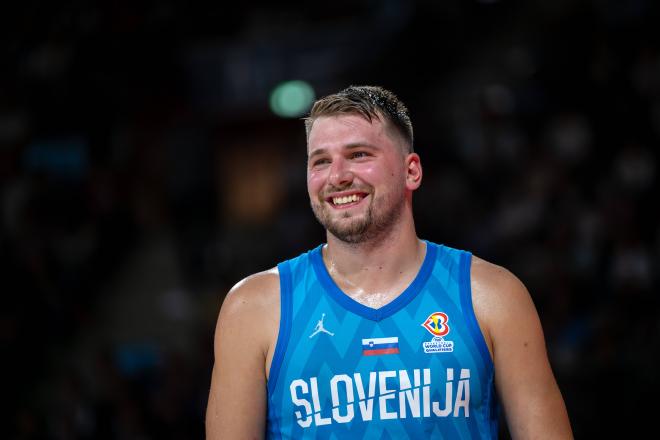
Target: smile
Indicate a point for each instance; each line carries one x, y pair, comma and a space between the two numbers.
347, 199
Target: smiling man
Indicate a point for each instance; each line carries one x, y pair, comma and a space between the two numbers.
377, 333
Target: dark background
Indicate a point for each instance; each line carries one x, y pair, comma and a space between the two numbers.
142, 174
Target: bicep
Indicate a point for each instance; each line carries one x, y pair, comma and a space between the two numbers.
237, 399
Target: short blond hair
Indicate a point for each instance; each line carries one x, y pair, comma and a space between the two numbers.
369, 102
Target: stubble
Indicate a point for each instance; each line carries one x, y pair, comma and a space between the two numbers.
381, 214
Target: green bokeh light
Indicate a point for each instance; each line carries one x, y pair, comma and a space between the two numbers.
291, 99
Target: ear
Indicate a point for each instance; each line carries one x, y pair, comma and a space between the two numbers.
413, 171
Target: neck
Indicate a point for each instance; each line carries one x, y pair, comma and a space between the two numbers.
379, 264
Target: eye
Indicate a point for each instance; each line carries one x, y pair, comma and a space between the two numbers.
320, 161
359, 154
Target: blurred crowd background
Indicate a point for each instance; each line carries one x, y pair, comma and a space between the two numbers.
143, 173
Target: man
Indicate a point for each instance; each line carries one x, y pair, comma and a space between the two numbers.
378, 334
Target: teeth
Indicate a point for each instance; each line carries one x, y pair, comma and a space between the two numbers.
346, 199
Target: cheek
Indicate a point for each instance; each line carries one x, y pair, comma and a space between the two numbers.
376, 173
314, 182
367, 171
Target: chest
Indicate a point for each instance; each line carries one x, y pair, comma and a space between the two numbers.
416, 368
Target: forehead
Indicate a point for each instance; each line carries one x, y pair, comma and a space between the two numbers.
342, 130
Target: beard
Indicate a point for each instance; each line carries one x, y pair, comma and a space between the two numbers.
380, 215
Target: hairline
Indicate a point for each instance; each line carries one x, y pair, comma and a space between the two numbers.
391, 129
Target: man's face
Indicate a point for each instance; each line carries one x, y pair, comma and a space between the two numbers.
356, 176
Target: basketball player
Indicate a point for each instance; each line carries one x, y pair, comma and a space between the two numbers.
377, 333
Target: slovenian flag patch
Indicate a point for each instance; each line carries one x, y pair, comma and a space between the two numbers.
377, 346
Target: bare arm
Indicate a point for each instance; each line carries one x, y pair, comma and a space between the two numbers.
533, 405
246, 329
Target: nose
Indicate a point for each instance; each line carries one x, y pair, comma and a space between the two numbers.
340, 173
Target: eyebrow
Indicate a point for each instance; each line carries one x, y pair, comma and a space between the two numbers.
351, 146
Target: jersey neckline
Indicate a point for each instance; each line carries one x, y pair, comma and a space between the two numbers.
360, 309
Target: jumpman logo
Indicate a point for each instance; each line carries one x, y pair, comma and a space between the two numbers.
319, 328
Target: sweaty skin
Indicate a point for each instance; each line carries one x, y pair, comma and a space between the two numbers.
373, 299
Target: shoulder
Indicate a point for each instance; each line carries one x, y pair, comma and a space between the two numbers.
257, 292
254, 289
249, 319
254, 299
497, 288
494, 280
500, 299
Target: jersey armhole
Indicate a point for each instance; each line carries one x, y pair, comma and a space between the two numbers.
468, 309
471, 318
285, 325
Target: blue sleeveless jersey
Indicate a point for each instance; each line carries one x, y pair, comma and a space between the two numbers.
416, 368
